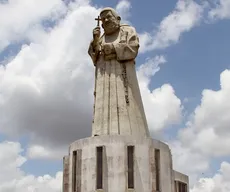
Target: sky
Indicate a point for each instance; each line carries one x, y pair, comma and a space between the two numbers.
47, 78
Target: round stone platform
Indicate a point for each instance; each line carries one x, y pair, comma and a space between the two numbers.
117, 163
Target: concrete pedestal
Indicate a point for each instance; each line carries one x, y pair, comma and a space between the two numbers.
82, 165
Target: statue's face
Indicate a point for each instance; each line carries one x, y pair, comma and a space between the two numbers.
109, 22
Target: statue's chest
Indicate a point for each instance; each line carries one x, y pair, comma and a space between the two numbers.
111, 38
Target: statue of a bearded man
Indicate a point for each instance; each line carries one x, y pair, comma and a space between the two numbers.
118, 107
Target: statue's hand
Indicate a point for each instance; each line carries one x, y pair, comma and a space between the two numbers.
96, 33
108, 48
96, 36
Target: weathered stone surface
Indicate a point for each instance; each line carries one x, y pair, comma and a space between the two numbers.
65, 174
115, 163
118, 107
180, 177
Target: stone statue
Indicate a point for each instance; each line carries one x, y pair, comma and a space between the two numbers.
118, 107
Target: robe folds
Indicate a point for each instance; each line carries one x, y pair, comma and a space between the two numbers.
118, 107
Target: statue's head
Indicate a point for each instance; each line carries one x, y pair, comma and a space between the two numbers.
110, 20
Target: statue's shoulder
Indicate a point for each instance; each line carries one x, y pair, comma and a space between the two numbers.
124, 24
127, 27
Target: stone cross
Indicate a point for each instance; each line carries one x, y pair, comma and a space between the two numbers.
98, 19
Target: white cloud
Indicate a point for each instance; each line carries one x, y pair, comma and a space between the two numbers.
184, 156
42, 152
157, 102
47, 89
221, 10
183, 18
205, 137
186, 15
19, 17
11, 159
13, 179
147, 70
208, 131
220, 182
123, 8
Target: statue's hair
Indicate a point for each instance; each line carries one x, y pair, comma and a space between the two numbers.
115, 14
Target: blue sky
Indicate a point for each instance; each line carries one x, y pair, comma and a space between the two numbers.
43, 54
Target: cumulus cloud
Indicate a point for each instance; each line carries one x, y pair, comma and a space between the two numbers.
208, 130
156, 102
123, 9
36, 151
221, 10
183, 18
13, 179
206, 136
20, 18
47, 89
11, 159
220, 182
186, 15
184, 156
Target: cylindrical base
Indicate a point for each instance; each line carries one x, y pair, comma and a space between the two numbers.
104, 163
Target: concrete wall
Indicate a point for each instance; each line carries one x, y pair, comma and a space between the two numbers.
181, 178
65, 182
115, 164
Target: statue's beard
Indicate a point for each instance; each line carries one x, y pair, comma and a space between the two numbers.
111, 27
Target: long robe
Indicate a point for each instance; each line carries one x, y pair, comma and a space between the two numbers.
118, 107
